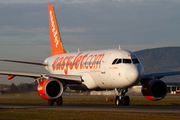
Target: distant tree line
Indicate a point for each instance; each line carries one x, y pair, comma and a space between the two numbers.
22, 87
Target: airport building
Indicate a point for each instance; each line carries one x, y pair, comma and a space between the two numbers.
173, 88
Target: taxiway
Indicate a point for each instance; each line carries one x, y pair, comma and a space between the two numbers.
97, 107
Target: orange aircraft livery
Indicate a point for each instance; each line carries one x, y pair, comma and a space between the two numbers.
55, 39
80, 61
110, 69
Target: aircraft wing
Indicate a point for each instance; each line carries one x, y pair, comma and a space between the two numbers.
23, 74
68, 79
25, 62
160, 75
173, 84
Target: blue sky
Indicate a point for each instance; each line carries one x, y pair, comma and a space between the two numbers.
84, 24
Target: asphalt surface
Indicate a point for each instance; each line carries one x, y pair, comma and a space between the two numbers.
98, 107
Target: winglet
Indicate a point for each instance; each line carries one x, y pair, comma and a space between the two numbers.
11, 77
55, 39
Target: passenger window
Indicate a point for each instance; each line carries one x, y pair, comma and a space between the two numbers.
114, 61
119, 61
135, 61
126, 60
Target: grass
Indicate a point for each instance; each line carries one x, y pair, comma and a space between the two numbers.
34, 98
29, 114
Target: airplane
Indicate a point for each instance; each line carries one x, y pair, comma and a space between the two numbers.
111, 69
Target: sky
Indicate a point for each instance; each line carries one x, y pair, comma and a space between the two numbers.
83, 24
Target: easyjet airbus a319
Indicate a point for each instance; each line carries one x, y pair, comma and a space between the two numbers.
114, 69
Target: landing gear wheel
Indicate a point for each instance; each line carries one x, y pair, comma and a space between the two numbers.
121, 99
118, 102
59, 101
125, 101
50, 102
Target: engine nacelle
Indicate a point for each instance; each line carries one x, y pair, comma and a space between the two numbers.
154, 89
50, 89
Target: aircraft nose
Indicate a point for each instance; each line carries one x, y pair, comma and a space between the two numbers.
132, 74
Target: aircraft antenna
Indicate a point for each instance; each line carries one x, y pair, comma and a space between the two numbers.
119, 46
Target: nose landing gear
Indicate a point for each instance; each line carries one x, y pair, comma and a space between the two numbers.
121, 99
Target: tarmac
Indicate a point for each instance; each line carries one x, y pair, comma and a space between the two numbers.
97, 107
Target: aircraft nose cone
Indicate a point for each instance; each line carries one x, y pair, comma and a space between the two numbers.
131, 74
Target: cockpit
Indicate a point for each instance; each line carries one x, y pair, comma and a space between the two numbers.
126, 61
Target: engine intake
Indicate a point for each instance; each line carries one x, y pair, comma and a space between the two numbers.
154, 89
50, 89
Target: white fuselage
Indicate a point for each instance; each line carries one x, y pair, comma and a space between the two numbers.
104, 69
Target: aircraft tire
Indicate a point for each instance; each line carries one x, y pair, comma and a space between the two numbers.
117, 101
125, 101
59, 101
50, 102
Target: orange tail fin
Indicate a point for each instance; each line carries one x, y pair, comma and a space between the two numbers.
55, 39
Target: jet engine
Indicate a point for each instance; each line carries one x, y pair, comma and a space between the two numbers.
50, 89
154, 89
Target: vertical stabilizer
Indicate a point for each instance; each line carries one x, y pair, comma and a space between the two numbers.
55, 39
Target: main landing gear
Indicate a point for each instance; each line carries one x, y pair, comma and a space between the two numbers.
59, 101
121, 99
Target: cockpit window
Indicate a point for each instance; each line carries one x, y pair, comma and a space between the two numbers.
119, 61
135, 61
114, 61
126, 60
